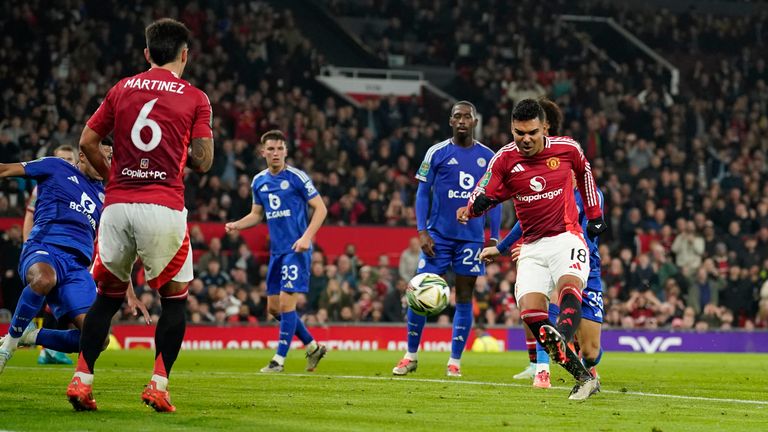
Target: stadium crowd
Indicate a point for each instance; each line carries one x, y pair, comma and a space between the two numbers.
684, 177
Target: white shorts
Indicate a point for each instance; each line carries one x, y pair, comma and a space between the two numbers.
543, 262
156, 234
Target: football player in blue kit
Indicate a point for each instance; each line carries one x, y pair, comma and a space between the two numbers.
55, 259
447, 176
281, 194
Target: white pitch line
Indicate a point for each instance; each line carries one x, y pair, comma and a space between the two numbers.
496, 384
424, 380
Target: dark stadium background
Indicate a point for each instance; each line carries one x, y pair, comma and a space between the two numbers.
676, 132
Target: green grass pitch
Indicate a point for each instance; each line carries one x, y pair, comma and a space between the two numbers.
352, 391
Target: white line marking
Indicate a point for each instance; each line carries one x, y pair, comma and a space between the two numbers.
422, 380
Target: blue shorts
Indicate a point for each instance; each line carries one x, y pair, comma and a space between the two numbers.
289, 272
592, 300
75, 290
461, 255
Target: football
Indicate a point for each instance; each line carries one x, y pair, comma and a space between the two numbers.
427, 294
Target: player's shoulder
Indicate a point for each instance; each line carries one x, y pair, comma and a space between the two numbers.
297, 174
50, 161
562, 143
484, 148
435, 151
508, 151
259, 178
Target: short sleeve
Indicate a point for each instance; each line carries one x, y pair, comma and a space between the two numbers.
308, 190
43, 167
203, 124
103, 120
426, 172
255, 192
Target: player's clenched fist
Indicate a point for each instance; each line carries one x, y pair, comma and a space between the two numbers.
230, 227
462, 215
489, 254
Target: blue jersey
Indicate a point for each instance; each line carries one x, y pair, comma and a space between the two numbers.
284, 197
68, 206
594, 254
451, 172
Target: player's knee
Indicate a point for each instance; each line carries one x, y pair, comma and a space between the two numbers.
274, 311
41, 282
174, 290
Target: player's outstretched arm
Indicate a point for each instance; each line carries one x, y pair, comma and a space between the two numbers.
11, 170
200, 154
251, 219
515, 234
90, 142
318, 216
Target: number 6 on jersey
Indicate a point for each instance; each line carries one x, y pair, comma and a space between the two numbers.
143, 121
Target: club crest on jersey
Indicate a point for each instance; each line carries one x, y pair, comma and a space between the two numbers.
424, 169
538, 184
481, 162
284, 184
553, 163
144, 163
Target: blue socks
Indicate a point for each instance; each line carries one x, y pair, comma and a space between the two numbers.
416, 324
287, 330
462, 324
29, 305
66, 341
302, 332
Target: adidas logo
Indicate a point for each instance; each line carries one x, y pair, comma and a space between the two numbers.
289, 285
453, 161
518, 168
475, 269
74, 179
264, 188
459, 338
598, 226
576, 266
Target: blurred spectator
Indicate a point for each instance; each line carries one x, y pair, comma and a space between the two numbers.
409, 260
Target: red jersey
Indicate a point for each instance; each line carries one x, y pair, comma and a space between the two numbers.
154, 115
541, 187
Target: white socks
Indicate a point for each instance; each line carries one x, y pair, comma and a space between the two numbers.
412, 356
161, 382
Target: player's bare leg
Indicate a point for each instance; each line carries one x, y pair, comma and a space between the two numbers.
314, 351
462, 322
588, 335
41, 279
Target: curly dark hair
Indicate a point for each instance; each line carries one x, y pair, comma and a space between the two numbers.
528, 109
